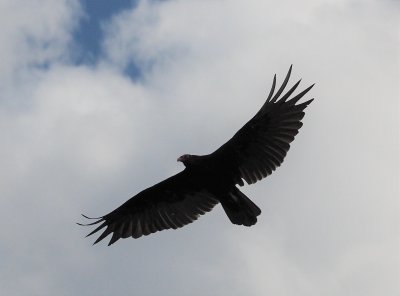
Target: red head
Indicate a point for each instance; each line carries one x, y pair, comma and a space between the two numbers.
184, 158
190, 160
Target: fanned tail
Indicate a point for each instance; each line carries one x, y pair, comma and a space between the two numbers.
240, 209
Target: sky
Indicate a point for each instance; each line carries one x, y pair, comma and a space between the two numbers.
99, 98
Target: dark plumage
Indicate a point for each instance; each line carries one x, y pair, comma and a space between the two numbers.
256, 150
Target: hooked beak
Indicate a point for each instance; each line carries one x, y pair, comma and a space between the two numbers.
180, 158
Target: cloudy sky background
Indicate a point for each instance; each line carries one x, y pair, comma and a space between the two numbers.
98, 100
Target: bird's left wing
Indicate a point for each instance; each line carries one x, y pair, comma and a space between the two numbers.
260, 146
172, 203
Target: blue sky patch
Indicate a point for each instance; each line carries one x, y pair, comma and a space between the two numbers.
89, 35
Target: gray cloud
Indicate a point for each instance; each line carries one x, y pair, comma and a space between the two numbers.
80, 139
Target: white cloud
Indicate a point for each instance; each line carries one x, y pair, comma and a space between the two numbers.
84, 139
35, 33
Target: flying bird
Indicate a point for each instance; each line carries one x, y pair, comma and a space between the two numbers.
252, 154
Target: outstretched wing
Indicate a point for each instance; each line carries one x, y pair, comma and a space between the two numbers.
172, 203
260, 146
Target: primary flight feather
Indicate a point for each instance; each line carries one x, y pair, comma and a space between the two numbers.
256, 150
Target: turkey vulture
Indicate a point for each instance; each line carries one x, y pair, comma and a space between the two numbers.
256, 150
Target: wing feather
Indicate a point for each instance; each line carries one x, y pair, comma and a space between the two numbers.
261, 145
170, 204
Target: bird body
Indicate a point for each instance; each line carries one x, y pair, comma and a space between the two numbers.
256, 150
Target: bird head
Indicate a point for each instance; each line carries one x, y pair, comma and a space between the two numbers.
186, 159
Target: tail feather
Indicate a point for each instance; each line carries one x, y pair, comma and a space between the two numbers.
240, 209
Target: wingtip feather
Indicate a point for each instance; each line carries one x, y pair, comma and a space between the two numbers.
90, 217
296, 98
280, 90
271, 92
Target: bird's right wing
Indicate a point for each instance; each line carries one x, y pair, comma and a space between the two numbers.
260, 146
172, 203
